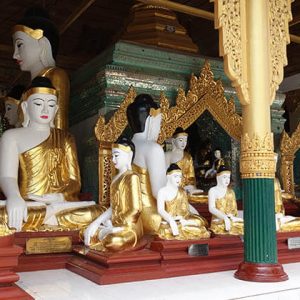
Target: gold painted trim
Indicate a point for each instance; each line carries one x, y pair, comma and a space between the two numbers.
223, 172
34, 33
289, 145
174, 171
121, 147
39, 90
180, 134
154, 112
11, 100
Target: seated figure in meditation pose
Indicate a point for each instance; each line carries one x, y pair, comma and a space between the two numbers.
144, 118
223, 207
284, 223
36, 41
120, 226
39, 162
173, 206
217, 163
183, 159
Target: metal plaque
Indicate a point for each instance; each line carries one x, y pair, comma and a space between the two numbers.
294, 243
49, 245
198, 250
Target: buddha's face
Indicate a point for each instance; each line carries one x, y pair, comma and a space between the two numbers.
175, 178
180, 142
27, 50
11, 113
153, 128
121, 159
40, 108
217, 154
223, 179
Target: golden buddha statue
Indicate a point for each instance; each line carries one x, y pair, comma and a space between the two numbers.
120, 226
223, 207
36, 40
39, 162
173, 206
144, 118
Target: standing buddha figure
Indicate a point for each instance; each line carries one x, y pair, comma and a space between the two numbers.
183, 159
120, 226
35, 40
39, 162
223, 207
173, 206
144, 118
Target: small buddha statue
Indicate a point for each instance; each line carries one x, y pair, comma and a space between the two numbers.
120, 226
35, 40
144, 119
223, 207
284, 223
217, 163
39, 162
173, 206
11, 102
183, 159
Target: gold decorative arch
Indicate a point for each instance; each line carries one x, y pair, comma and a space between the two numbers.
204, 94
288, 147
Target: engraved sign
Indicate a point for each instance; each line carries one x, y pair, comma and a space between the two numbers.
198, 250
49, 245
294, 243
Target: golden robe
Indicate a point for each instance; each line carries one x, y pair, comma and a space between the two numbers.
187, 167
179, 206
227, 205
150, 217
293, 225
51, 167
61, 82
126, 205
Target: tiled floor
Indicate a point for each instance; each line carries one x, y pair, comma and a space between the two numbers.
65, 285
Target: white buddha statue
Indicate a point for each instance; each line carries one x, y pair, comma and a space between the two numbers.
217, 163
35, 40
183, 159
120, 226
223, 207
39, 162
173, 206
144, 118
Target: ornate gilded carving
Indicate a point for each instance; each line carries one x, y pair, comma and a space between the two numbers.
257, 156
280, 15
232, 43
204, 94
288, 147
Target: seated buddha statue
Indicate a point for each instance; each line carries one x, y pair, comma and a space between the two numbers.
120, 226
284, 223
144, 119
35, 40
223, 207
11, 102
183, 159
39, 162
173, 206
217, 163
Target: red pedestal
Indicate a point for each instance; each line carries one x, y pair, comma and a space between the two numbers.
261, 272
8, 261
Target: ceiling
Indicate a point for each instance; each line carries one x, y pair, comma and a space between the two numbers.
101, 24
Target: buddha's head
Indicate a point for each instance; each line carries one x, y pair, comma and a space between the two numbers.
179, 138
39, 103
174, 175
123, 153
217, 154
35, 40
223, 176
12, 101
144, 116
